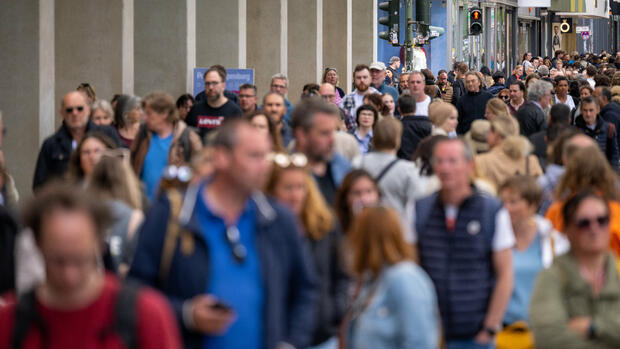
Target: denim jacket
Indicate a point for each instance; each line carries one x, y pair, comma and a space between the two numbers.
402, 313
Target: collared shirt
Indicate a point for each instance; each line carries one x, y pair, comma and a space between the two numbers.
236, 284
513, 110
363, 143
538, 105
350, 103
569, 101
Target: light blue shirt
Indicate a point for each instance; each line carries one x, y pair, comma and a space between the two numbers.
363, 143
154, 163
527, 264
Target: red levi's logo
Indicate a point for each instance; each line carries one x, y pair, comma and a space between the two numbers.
210, 121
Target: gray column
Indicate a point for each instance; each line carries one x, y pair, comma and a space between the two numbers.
302, 35
263, 41
217, 33
335, 39
362, 32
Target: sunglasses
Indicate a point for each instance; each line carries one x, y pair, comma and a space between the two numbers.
585, 223
70, 109
233, 237
284, 160
504, 97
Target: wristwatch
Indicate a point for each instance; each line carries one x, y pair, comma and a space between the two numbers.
492, 331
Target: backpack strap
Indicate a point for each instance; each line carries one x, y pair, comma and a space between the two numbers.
386, 169
126, 314
26, 316
172, 234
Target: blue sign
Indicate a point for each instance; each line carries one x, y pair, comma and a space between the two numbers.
234, 79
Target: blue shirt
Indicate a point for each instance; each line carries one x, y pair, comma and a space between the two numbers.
527, 264
238, 285
154, 163
363, 143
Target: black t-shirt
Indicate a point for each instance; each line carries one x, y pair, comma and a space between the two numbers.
327, 185
206, 118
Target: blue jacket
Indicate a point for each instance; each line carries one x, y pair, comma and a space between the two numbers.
340, 167
402, 312
604, 134
288, 274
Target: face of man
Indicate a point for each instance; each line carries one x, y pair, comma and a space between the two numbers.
75, 111
378, 77
318, 142
404, 82
70, 249
362, 80
328, 92
247, 99
472, 83
442, 79
536, 62
275, 108
516, 95
214, 86
598, 94
246, 164
452, 168
416, 85
589, 111
555, 30
280, 86
561, 89
395, 64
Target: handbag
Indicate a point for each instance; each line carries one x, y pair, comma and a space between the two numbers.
515, 336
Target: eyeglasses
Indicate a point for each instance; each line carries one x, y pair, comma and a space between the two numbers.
233, 237
285, 160
69, 110
585, 223
278, 86
212, 83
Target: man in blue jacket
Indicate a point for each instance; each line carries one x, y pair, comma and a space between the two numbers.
239, 276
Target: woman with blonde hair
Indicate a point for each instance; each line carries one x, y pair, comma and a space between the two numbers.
509, 154
114, 182
495, 107
292, 184
588, 169
385, 313
444, 118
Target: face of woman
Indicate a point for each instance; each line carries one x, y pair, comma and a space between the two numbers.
518, 208
135, 115
451, 122
184, 109
332, 77
91, 151
260, 123
588, 231
488, 114
492, 138
366, 118
291, 189
101, 118
363, 193
388, 100
584, 93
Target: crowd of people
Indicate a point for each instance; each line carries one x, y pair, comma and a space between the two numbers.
466, 209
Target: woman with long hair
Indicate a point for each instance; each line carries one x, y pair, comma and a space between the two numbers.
292, 184
358, 189
385, 312
262, 122
509, 154
495, 107
87, 155
128, 115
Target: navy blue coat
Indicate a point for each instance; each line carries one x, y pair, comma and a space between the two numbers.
291, 293
604, 135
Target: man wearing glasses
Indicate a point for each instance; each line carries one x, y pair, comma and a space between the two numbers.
56, 149
279, 84
247, 98
239, 277
209, 114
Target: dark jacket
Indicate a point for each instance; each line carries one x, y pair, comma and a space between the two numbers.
605, 136
494, 90
471, 107
539, 142
287, 271
531, 119
415, 129
333, 285
8, 234
56, 150
611, 113
458, 90
512, 79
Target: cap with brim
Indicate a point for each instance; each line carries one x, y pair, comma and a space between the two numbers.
377, 66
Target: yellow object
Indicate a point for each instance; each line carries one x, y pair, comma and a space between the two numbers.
515, 336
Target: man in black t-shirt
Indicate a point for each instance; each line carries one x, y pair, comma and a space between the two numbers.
210, 113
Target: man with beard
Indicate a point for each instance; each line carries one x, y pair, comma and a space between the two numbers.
445, 87
314, 124
209, 114
352, 101
274, 106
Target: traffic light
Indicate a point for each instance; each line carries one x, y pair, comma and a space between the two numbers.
475, 21
392, 21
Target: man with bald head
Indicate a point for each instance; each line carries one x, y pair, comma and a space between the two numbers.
56, 149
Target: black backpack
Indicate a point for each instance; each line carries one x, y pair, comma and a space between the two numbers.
123, 323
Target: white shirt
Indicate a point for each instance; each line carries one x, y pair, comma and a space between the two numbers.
569, 102
591, 82
421, 108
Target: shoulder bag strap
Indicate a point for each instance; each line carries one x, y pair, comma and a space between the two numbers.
172, 233
386, 169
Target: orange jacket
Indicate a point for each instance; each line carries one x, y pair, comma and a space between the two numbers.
554, 214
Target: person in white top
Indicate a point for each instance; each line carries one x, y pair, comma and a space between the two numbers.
561, 92
416, 87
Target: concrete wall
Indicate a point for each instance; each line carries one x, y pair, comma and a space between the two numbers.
88, 46
159, 46
217, 33
301, 46
19, 83
263, 35
362, 31
335, 39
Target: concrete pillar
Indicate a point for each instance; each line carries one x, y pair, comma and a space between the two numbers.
19, 83
88, 46
362, 48
160, 46
217, 33
302, 39
263, 42
335, 39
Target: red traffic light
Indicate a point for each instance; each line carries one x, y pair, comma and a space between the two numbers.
475, 15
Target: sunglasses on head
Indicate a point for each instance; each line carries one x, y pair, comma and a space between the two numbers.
584, 223
70, 109
284, 160
233, 237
